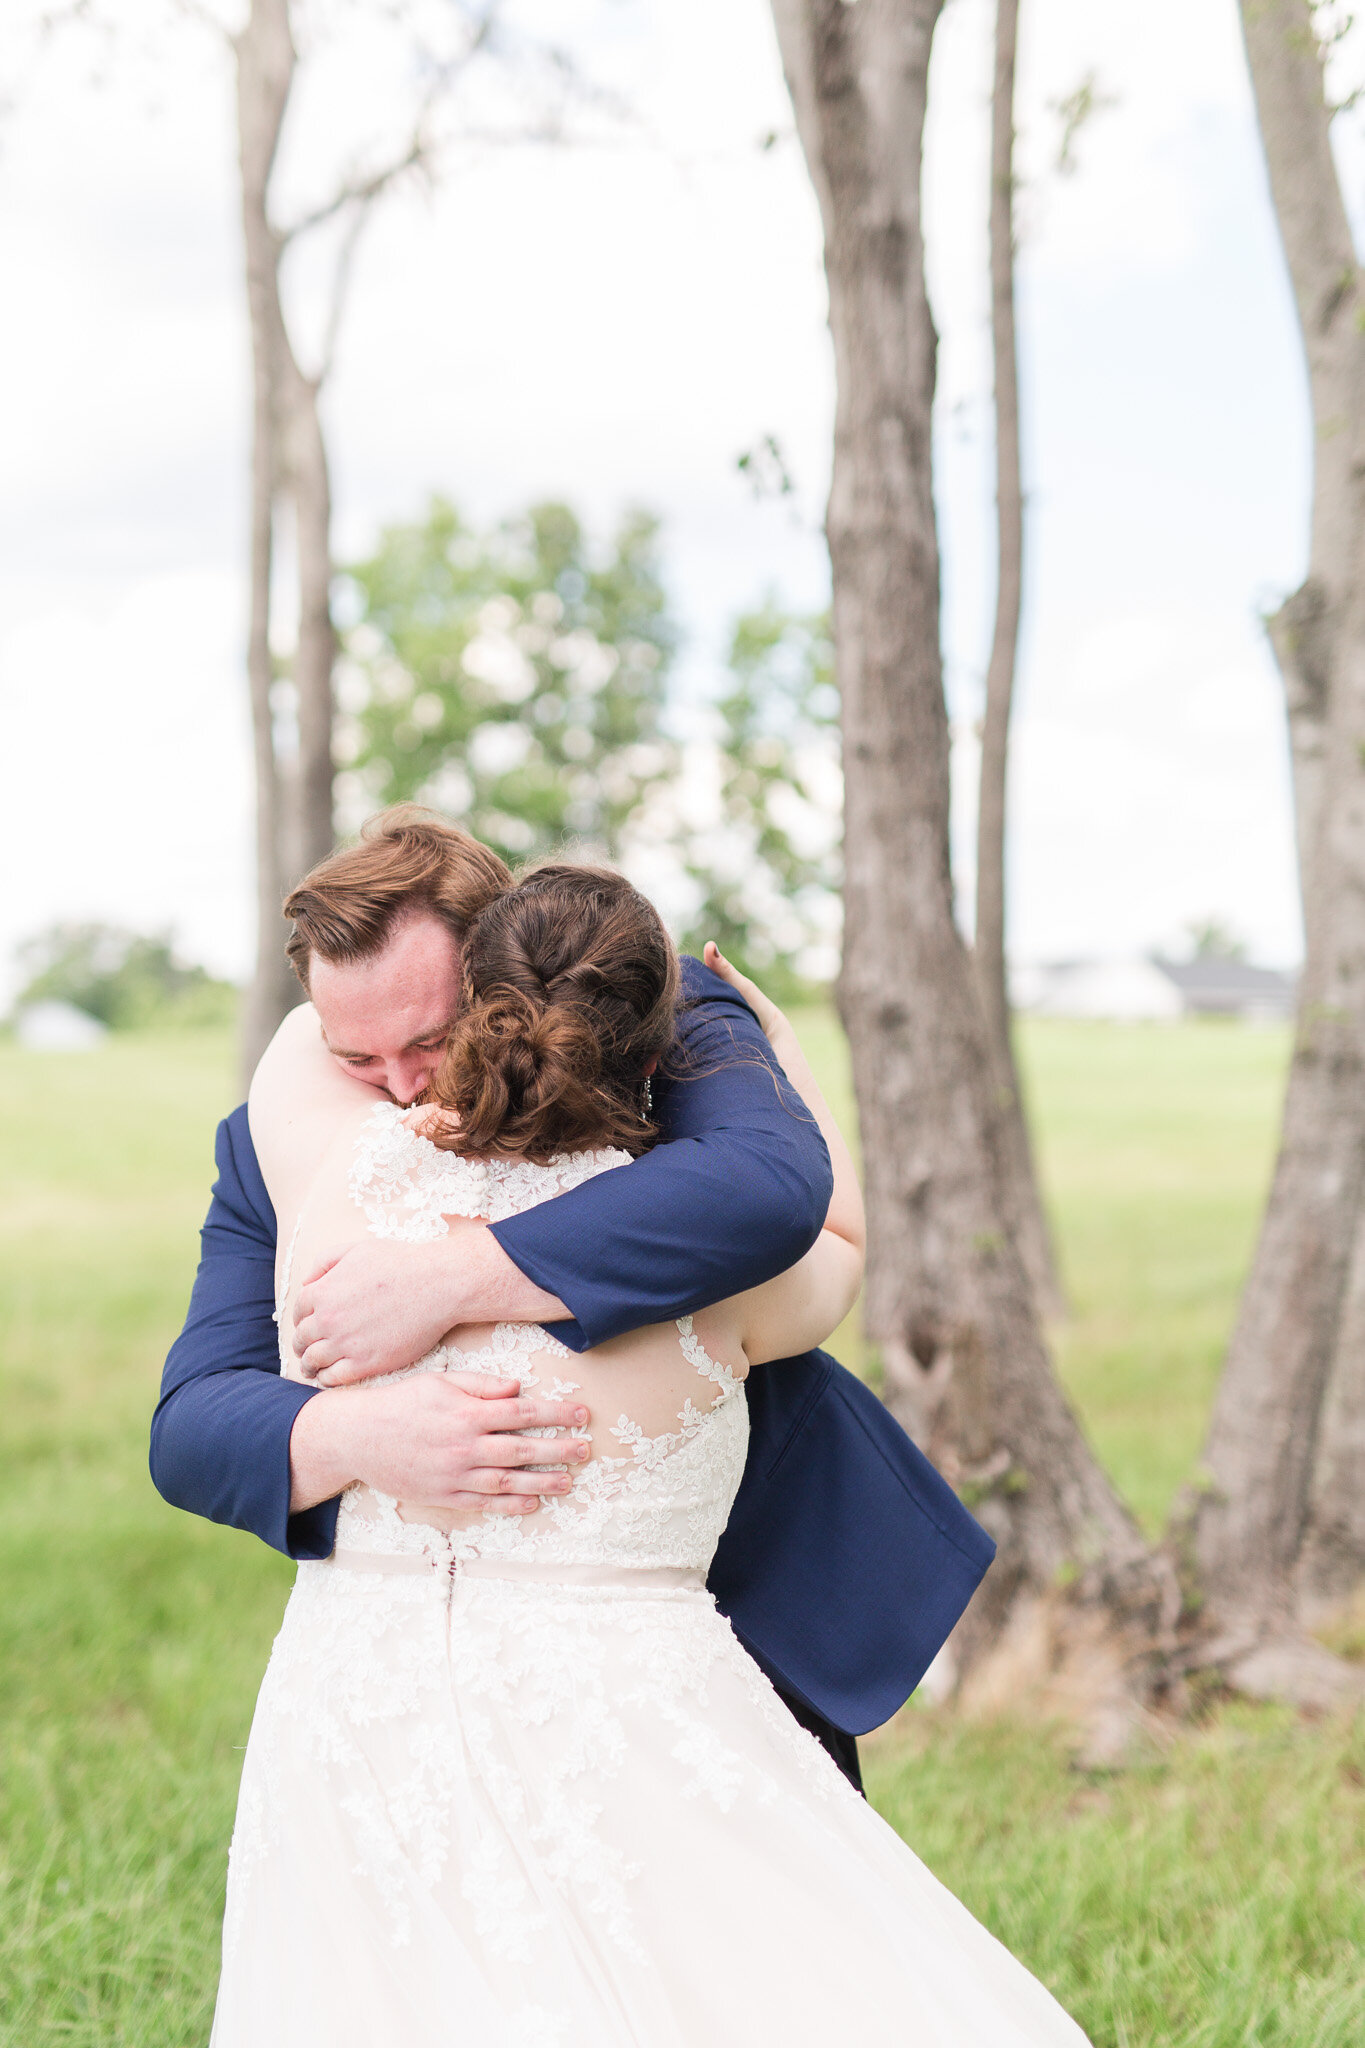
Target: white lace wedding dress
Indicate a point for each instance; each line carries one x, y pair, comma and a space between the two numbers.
520, 1787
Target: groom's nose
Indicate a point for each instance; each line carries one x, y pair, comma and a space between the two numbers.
408, 1077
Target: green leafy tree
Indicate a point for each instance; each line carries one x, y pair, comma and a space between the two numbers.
1211, 939
128, 980
510, 679
769, 876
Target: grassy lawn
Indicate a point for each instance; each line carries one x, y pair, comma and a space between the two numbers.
131, 1637
1209, 1898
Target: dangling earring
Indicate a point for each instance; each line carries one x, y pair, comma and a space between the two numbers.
647, 1112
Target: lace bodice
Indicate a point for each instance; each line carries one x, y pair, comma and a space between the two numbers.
648, 1502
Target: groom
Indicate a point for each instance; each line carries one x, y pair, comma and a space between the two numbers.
846, 1561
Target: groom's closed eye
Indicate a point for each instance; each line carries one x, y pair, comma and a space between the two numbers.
368, 1059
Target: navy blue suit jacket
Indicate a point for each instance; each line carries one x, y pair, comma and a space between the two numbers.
847, 1559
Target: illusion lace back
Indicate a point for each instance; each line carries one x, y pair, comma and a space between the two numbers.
648, 1502
515, 1780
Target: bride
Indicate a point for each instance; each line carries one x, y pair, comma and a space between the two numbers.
511, 1778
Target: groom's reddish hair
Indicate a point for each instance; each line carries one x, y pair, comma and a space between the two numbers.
405, 860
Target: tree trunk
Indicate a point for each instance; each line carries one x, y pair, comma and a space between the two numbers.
1028, 1219
1303, 634
288, 460
316, 656
1331, 1566
1252, 1514
948, 1301
265, 70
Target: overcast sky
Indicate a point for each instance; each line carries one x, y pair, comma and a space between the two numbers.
616, 325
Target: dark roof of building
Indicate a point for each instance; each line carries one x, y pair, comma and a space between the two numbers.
1230, 982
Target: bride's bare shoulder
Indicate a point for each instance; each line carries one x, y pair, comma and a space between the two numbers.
296, 1067
299, 1098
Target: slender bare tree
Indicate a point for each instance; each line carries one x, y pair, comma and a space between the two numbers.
290, 483
1028, 1216
292, 741
266, 61
1281, 1460
949, 1303
289, 475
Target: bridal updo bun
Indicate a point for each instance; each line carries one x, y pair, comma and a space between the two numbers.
570, 997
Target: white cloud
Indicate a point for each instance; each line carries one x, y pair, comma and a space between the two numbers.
1152, 788
125, 790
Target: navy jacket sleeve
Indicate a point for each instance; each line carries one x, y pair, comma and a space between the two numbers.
220, 1435
736, 1192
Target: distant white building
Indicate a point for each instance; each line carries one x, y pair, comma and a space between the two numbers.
1121, 991
57, 1027
1153, 991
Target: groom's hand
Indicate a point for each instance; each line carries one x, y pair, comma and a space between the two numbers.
448, 1440
375, 1307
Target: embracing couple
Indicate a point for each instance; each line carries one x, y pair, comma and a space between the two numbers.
602, 1567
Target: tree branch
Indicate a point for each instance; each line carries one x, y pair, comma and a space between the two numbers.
341, 279
198, 11
361, 192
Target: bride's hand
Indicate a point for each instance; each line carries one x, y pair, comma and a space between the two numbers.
769, 1016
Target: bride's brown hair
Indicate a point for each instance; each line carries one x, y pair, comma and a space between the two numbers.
570, 995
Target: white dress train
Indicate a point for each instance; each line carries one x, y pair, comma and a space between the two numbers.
521, 1787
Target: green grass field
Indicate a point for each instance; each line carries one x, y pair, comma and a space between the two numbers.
1211, 1897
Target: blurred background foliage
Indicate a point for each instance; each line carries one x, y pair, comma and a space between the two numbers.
769, 876
525, 683
126, 980
509, 678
